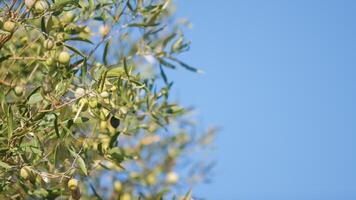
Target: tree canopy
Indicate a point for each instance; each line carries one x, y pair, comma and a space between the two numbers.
85, 103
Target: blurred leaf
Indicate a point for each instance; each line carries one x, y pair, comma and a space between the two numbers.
105, 53
79, 39
5, 165
75, 50
188, 195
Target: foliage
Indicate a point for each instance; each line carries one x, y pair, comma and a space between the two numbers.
85, 110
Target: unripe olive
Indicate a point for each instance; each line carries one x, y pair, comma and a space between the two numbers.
172, 178
50, 62
48, 44
29, 3
9, 26
41, 6
19, 90
106, 100
117, 186
25, 173
73, 184
104, 30
79, 92
125, 196
113, 88
93, 103
104, 94
151, 179
68, 17
64, 57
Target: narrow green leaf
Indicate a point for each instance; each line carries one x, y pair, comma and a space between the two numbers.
79, 39
79, 161
186, 66
91, 4
113, 139
82, 166
102, 80
163, 74
126, 68
75, 50
5, 165
10, 122
188, 196
168, 39
56, 130
165, 63
142, 25
3, 58
43, 25
95, 192
105, 53
35, 98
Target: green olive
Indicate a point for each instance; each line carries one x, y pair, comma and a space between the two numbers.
9, 26
29, 3
50, 62
104, 30
126, 196
64, 57
172, 178
79, 92
25, 173
117, 186
151, 179
104, 94
41, 6
73, 184
68, 17
48, 44
19, 90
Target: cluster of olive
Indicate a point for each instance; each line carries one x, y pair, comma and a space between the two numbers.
93, 104
61, 27
28, 174
55, 54
38, 6
150, 179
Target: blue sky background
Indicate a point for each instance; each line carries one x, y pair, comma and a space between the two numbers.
280, 82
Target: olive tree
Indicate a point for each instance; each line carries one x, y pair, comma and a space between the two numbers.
85, 106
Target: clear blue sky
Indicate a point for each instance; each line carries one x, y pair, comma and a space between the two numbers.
280, 79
